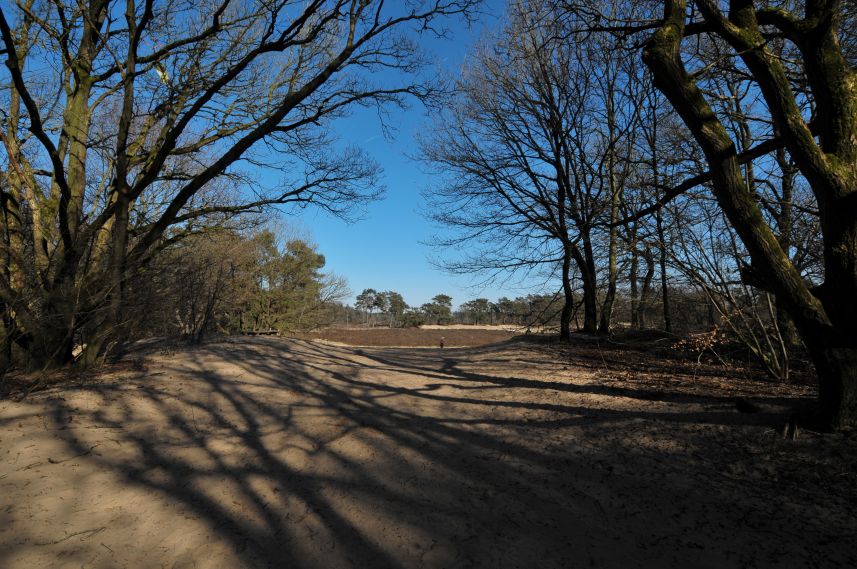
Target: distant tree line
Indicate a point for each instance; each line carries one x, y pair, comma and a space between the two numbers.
388, 308
691, 311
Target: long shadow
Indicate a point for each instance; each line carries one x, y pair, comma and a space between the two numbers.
403, 460
450, 367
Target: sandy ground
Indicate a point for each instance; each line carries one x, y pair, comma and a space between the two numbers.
412, 337
269, 452
501, 327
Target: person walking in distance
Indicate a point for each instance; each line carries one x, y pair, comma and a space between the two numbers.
442, 340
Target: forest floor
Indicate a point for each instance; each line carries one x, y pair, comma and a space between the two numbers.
269, 452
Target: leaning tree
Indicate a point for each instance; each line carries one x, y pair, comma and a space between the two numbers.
800, 58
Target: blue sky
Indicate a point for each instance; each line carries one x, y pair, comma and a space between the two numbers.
385, 250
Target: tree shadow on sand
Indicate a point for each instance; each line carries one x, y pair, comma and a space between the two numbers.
299, 455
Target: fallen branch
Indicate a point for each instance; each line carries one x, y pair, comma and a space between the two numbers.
52, 461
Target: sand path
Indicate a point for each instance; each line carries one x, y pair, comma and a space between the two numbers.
296, 454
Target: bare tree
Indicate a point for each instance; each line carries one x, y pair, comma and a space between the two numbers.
619, 99
532, 170
708, 253
810, 101
121, 122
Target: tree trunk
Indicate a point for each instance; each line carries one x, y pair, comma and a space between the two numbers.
647, 286
586, 264
610, 297
51, 347
8, 331
827, 157
110, 324
662, 258
835, 354
615, 197
568, 293
836, 365
632, 278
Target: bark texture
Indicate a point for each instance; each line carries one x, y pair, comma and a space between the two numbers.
826, 315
